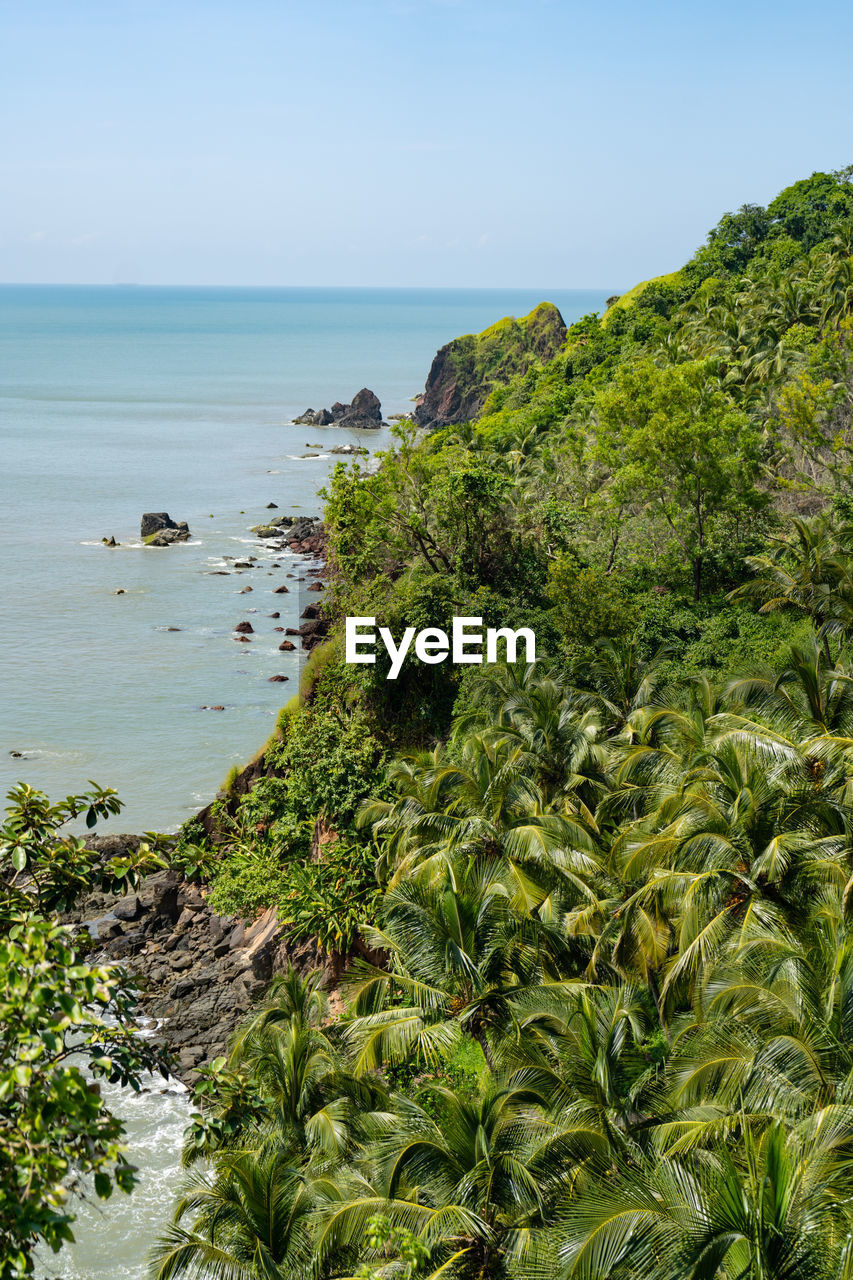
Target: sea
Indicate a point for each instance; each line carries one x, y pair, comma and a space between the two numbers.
115, 401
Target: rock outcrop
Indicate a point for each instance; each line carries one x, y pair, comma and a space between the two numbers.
363, 414
466, 371
158, 529
304, 535
199, 972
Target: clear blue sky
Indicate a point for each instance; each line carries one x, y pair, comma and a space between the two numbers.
403, 142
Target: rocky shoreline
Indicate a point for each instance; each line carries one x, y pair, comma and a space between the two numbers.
198, 973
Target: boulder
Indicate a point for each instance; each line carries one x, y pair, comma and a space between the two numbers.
128, 908
302, 528
365, 404
363, 414
245, 628
158, 529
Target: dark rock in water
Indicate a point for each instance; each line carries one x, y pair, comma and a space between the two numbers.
281, 591
363, 414
243, 639
278, 628
121, 592
287, 645
245, 627
167, 538
110, 542
365, 405
316, 586
467, 370
350, 450
278, 679
272, 506
274, 615
311, 611
302, 528
158, 529
244, 590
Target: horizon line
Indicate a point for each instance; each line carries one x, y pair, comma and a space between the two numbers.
132, 284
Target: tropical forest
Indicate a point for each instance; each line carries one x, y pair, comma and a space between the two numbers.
585, 1005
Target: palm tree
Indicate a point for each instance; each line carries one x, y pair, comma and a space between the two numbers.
806, 572
485, 1169
250, 1219
482, 803
776, 1205
461, 955
625, 679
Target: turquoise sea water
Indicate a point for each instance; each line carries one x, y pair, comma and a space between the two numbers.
116, 401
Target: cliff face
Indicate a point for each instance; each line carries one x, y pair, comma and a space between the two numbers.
465, 371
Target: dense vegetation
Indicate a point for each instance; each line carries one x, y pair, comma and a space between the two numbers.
595, 913
592, 916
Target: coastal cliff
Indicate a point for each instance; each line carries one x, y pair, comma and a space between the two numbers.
466, 370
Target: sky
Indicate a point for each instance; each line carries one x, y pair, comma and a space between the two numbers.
471, 143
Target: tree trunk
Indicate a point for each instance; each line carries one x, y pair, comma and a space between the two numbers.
697, 577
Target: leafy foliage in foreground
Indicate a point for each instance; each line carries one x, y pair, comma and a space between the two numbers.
65, 1024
